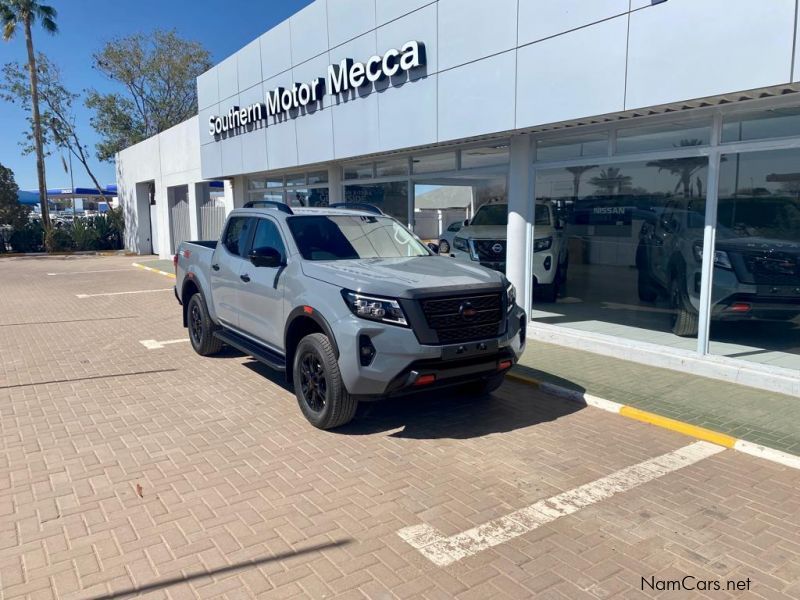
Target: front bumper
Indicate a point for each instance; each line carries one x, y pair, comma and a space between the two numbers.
400, 359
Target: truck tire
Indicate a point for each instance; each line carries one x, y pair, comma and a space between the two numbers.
546, 292
685, 318
322, 397
485, 386
201, 327
648, 291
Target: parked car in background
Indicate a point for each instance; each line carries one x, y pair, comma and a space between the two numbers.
483, 240
446, 238
349, 304
756, 263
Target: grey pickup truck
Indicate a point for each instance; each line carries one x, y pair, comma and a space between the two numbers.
349, 304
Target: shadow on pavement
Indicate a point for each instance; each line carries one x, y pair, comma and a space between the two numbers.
163, 583
456, 415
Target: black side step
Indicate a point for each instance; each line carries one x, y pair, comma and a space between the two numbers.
269, 357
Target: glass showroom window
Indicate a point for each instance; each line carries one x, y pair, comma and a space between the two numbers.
761, 124
390, 197
575, 146
755, 311
615, 248
261, 188
295, 189
664, 136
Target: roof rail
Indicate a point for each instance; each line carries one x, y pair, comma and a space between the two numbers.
269, 204
357, 206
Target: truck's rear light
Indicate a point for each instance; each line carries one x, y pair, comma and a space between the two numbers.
425, 380
504, 365
740, 307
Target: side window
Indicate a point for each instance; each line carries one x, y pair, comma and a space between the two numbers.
236, 235
268, 236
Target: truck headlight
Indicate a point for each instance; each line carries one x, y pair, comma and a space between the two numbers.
460, 244
383, 310
542, 244
511, 293
721, 258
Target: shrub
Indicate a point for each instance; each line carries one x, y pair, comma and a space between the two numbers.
84, 236
28, 238
59, 240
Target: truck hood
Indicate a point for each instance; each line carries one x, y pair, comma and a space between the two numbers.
758, 244
402, 277
497, 232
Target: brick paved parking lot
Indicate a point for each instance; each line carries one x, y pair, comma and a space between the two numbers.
130, 468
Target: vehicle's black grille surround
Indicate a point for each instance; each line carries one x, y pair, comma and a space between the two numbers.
443, 316
483, 248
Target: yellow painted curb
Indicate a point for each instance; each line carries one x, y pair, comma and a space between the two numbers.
524, 379
701, 433
151, 269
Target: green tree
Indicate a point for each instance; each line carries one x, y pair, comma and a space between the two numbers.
11, 211
15, 14
157, 73
684, 168
577, 173
56, 109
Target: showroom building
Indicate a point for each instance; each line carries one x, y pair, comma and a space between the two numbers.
632, 165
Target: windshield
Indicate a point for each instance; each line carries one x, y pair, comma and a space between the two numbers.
491, 214
344, 237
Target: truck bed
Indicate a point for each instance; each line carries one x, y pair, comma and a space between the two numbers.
205, 243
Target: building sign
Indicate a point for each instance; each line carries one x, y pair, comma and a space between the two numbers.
339, 79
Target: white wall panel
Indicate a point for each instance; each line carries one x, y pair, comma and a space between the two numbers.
315, 136
388, 10
359, 49
281, 145
211, 159
477, 98
231, 152
253, 139
348, 19
408, 114
207, 88
685, 49
473, 29
276, 50
356, 126
311, 69
539, 19
419, 26
248, 64
202, 121
581, 73
228, 79
309, 32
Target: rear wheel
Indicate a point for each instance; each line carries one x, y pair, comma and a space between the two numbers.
322, 397
547, 292
201, 327
684, 317
647, 287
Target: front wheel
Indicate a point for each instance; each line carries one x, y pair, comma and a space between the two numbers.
201, 327
322, 397
684, 317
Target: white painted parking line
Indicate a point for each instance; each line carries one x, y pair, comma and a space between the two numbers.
85, 272
443, 551
156, 345
122, 293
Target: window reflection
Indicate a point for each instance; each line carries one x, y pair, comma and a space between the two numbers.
756, 289
614, 248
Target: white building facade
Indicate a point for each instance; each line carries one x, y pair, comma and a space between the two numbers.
664, 135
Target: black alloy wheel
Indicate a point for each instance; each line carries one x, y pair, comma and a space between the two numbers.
313, 383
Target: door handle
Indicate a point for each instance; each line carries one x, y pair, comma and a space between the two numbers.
245, 278
215, 267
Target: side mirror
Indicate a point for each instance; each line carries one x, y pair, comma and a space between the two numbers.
466, 222
265, 257
433, 247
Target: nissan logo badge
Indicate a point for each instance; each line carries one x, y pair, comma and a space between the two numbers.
497, 248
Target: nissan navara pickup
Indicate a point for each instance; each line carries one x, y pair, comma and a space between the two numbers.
349, 304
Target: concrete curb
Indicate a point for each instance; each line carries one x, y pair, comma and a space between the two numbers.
701, 433
152, 270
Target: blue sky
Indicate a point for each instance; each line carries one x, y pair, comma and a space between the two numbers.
223, 26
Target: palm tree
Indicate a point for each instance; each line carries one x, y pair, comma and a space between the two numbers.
612, 180
25, 13
577, 173
684, 168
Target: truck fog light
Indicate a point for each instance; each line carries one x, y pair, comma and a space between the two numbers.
366, 351
548, 262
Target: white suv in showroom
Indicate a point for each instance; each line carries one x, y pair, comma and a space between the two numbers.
483, 240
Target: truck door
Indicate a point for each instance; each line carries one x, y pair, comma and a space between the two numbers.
226, 266
261, 290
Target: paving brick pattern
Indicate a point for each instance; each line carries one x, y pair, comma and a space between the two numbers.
125, 470
754, 415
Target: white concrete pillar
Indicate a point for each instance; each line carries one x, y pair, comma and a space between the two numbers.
198, 193
235, 193
335, 190
164, 222
519, 211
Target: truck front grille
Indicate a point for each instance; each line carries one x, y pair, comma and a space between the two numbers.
465, 318
493, 251
773, 268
